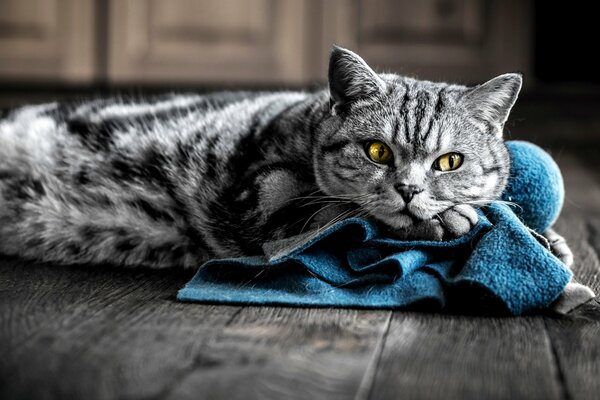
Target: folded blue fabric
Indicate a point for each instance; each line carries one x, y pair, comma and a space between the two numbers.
351, 264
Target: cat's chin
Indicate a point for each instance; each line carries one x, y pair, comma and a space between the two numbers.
398, 220
417, 213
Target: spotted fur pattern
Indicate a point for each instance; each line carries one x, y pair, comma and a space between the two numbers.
178, 179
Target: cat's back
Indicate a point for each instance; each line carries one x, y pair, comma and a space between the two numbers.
126, 124
167, 110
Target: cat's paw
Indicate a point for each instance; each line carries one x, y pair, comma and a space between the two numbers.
430, 229
458, 220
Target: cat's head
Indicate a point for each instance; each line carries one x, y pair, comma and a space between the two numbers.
404, 148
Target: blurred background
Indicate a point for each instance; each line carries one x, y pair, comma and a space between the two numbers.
55, 49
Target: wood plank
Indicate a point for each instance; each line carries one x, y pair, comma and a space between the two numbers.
288, 353
97, 333
114, 333
136, 352
576, 344
431, 356
576, 337
33, 296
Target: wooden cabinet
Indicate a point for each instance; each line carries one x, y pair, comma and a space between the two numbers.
458, 40
255, 42
48, 40
249, 41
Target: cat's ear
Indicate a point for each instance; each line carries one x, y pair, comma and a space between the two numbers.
350, 78
493, 100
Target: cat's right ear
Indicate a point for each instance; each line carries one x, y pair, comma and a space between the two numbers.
350, 78
493, 100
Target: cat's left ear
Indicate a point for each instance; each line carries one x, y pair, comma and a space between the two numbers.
493, 100
350, 78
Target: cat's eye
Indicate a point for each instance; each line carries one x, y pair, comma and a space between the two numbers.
448, 162
379, 152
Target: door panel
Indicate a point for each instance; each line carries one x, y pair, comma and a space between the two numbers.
51, 40
251, 41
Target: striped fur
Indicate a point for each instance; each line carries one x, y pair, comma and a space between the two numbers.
177, 179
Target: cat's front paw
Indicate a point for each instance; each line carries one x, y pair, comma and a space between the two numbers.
458, 220
430, 229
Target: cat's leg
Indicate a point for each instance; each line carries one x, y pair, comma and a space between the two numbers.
274, 203
289, 204
458, 220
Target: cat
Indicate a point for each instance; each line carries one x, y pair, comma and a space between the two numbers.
175, 180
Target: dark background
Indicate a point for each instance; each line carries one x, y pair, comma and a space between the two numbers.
566, 44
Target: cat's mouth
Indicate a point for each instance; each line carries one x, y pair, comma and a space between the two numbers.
398, 219
415, 214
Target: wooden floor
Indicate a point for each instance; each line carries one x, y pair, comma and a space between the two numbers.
108, 333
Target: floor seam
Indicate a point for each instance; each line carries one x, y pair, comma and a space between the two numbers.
560, 376
196, 362
366, 384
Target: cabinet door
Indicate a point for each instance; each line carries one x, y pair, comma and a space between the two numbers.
51, 40
459, 40
210, 41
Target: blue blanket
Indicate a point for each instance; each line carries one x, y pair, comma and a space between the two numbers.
351, 264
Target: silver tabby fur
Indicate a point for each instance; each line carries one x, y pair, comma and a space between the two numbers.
175, 180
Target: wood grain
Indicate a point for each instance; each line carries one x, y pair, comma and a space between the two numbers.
432, 356
291, 353
110, 333
576, 337
97, 333
576, 345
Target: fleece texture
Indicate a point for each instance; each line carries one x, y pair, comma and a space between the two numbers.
535, 184
351, 264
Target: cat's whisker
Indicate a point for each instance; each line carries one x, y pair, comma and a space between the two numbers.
353, 196
485, 202
314, 214
312, 203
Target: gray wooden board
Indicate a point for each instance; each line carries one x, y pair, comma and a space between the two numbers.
101, 333
34, 295
289, 353
433, 356
98, 333
576, 338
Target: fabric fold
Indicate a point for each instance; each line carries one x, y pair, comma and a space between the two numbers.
351, 264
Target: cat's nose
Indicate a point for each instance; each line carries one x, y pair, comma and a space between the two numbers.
407, 191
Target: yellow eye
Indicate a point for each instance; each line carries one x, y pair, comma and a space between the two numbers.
379, 152
448, 162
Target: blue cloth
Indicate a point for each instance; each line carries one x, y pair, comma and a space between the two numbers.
351, 264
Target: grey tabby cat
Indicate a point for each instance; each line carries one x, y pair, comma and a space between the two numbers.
178, 179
